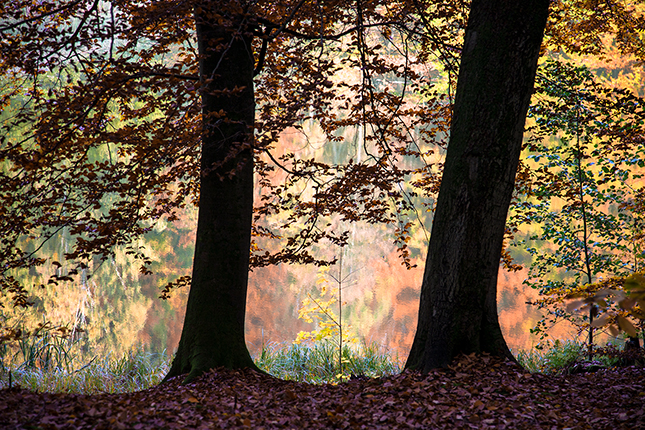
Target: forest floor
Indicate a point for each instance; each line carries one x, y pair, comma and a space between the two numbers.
477, 392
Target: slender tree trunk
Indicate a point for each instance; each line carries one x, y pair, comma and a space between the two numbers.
458, 308
213, 332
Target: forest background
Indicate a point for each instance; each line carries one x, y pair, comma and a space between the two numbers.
118, 308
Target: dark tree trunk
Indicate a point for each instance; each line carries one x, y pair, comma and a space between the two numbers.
633, 343
458, 308
213, 332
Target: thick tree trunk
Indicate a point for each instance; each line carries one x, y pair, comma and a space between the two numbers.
213, 332
458, 308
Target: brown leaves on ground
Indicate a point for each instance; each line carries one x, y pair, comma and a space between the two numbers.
477, 392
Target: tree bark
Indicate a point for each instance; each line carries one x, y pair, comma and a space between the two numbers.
213, 331
458, 305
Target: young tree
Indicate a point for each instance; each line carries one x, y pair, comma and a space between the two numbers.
587, 163
458, 308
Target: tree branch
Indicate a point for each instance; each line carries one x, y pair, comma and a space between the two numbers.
36, 18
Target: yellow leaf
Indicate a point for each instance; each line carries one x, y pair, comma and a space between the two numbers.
602, 303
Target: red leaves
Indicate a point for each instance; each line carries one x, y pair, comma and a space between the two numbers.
475, 392
104, 121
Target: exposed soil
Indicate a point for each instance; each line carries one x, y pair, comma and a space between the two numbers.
477, 392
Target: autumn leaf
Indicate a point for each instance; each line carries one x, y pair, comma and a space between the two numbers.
626, 326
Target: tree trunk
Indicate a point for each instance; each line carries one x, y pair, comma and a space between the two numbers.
458, 308
213, 332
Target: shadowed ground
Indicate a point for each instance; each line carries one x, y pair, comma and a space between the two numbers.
476, 392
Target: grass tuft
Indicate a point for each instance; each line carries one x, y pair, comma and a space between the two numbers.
558, 357
318, 363
33, 366
135, 371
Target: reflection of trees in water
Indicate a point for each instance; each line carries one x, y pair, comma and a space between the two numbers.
382, 300
385, 308
103, 306
120, 308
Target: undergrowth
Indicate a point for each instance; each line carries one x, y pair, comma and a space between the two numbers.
318, 363
134, 371
559, 357
52, 366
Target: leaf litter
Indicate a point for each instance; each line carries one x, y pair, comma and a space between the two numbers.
476, 392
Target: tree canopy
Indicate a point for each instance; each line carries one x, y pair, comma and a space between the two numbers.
101, 125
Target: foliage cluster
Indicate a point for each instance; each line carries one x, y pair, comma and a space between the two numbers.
627, 292
113, 101
329, 323
581, 186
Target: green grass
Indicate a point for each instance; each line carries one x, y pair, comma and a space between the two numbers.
318, 363
558, 356
53, 365
135, 371
49, 364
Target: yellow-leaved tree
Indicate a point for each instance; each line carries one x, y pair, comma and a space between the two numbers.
321, 311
